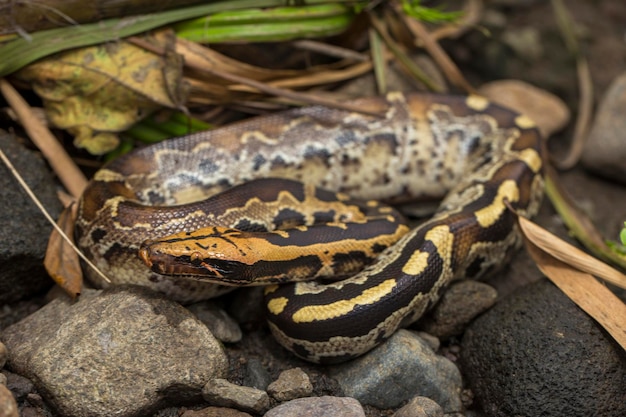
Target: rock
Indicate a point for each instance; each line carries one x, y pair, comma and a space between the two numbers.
124, 351
215, 412
19, 386
318, 407
420, 407
3, 355
256, 375
433, 341
547, 110
248, 306
398, 370
221, 325
536, 353
604, 152
3, 379
225, 394
24, 228
8, 406
291, 384
458, 306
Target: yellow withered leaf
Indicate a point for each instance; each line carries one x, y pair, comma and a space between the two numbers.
97, 91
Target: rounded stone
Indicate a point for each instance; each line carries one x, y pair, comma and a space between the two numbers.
291, 384
124, 351
536, 353
318, 407
8, 406
420, 407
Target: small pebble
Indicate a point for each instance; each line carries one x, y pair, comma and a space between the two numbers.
291, 384
222, 393
256, 375
318, 407
215, 412
420, 407
8, 405
396, 371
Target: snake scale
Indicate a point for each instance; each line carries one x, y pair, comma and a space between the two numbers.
465, 150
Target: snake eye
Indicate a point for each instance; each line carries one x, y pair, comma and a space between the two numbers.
195, 256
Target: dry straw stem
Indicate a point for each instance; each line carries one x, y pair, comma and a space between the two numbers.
67, 171
472, 13
585, 88
580, 226
398, 52
199, 64
423, 37
571, 270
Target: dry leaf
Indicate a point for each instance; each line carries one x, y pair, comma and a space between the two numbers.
61, 261
105, 88
570, 269
569, 254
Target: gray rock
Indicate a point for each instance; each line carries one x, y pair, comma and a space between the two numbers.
420, 407
8, 406
256, 375
215, 412
398, 370
605, 150
20, 387
318, 407
222, 393
536, 353
291, 384
222, 326
125, 351
433, 341
458, 306
25, 230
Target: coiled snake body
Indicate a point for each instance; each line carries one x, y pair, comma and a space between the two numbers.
470, 152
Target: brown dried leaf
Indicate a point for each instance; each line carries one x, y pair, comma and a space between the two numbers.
61, 261
96, 91
570, 269
569, 254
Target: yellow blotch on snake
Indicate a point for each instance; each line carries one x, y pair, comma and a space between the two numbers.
277, 305
441, 238
339, 308
487, 216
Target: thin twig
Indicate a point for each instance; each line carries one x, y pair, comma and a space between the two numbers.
263, 87
442, 59
585, 88
43, 210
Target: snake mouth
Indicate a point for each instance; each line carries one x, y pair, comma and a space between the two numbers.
195, 266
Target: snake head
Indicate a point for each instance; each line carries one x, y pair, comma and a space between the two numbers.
214, 254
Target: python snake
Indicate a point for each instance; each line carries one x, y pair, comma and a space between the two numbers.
473, 154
